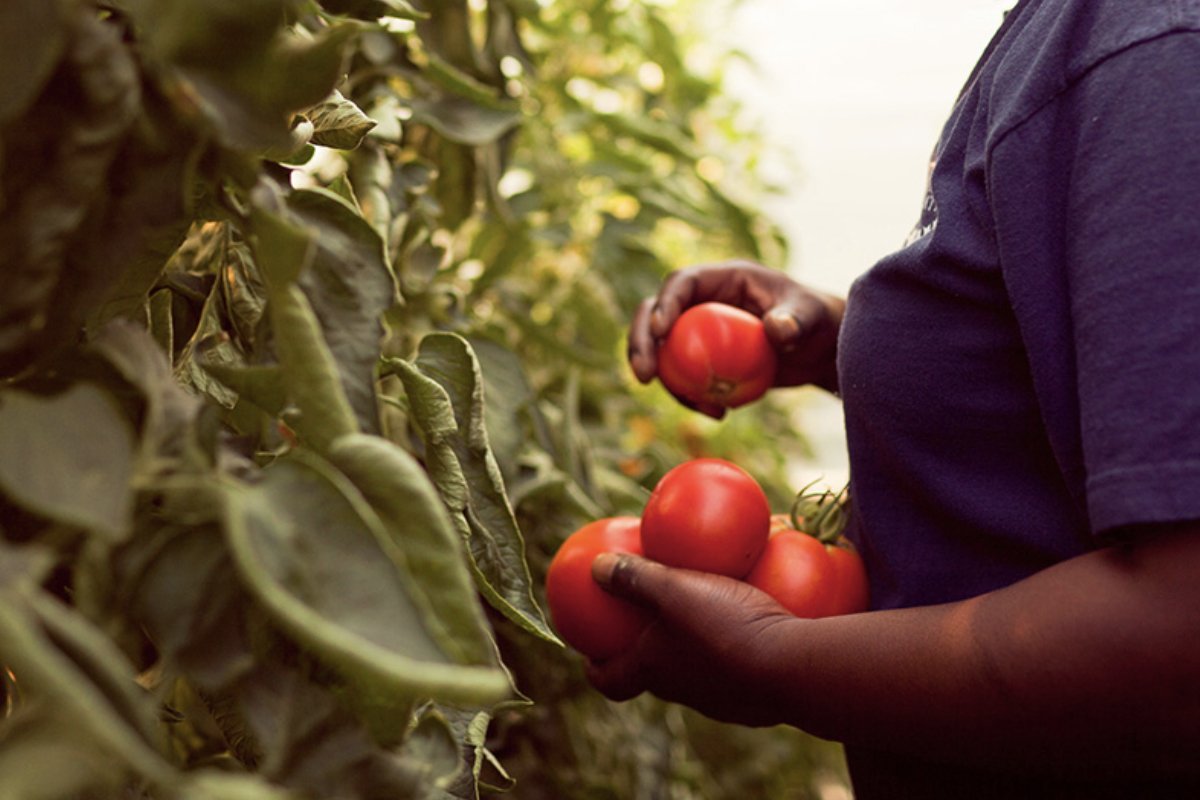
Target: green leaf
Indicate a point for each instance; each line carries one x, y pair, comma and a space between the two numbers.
309, 371
33, 35
445, 392
408, 504
82, 682
212, 784
234, 63
23, 567
350, 285
318, 241
372, 9
65, 150
282, 247
339, 123
320, 561
181, 594
68, 457
465, 122
263, 386
508, 397
46, 757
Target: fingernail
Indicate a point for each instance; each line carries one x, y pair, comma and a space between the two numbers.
641, 367
784, 327
658, 323
603, 567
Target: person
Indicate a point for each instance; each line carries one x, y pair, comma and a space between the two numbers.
1021, 390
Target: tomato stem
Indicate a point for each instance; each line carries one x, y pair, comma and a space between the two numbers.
823, 515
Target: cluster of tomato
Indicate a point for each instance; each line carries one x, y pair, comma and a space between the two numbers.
708, 515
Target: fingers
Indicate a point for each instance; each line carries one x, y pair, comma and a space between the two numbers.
642, 345
677, 293
679, 596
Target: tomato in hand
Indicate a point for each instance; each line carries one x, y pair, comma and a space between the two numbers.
588, 618
809, 577
706, 514
717, 355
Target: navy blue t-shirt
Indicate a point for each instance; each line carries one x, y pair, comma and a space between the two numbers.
1023, 377
1021, 381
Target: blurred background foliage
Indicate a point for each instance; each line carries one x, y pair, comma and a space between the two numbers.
242, 234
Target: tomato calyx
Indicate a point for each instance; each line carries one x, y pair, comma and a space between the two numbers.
822, 515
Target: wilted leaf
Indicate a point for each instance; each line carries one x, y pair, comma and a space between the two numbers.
317, 557
339, 123
508, 396
445, 392
68, 457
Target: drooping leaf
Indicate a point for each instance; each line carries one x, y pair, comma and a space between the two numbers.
320, 561
445, 392
508, 396
68, 457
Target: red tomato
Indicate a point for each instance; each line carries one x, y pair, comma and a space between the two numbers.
718, 355
588, 618
809, 578
706, 514
852, 594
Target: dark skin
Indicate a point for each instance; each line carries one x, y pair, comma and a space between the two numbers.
1086, 668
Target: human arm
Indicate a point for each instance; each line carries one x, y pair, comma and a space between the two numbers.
801, 323
1088, 665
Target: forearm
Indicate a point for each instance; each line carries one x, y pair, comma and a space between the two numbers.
1090, 664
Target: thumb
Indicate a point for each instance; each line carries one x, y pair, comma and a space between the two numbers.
783, 327
678, 596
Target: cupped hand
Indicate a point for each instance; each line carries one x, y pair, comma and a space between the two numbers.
713, 646
800, 322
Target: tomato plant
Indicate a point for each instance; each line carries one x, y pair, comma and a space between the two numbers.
717, 354
706, 514
588, 618
812, 575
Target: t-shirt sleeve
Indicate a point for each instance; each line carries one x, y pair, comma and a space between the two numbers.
1132, 242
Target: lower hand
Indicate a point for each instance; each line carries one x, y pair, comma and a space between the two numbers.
712, 645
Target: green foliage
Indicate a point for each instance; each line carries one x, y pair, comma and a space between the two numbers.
311, 319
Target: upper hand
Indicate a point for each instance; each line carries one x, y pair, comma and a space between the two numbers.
801, 323
711, 646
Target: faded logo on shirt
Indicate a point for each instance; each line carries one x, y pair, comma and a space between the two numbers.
929, 209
